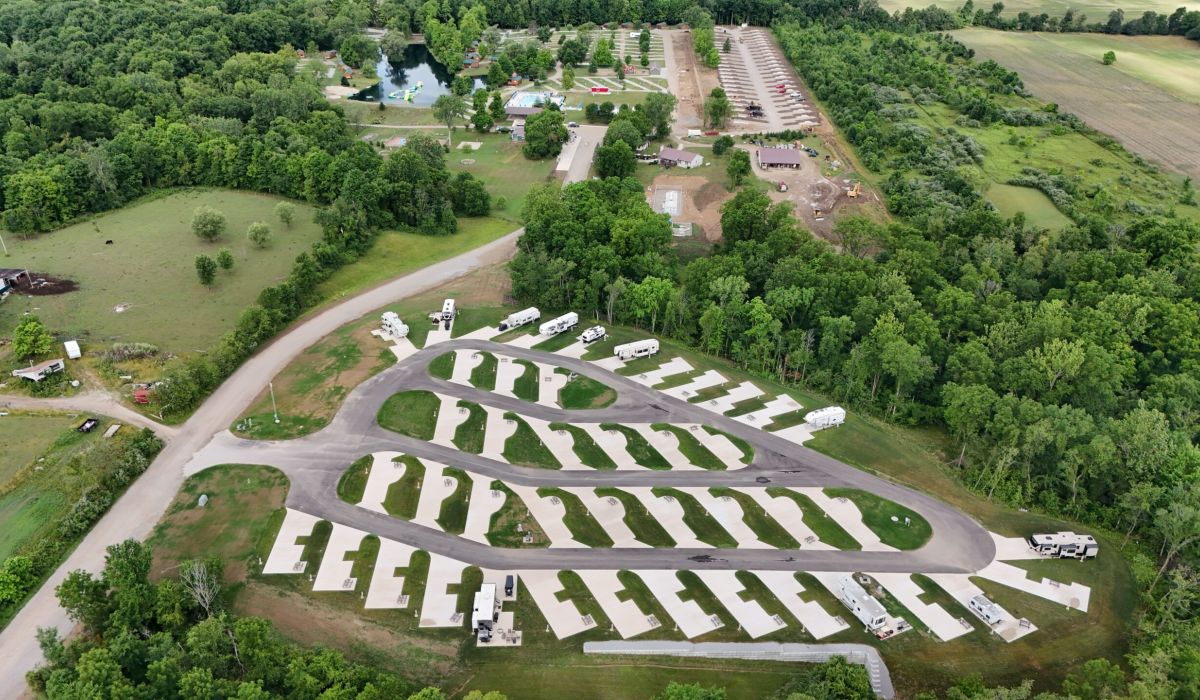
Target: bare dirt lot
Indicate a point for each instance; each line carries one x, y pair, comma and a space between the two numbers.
690, 82
700, 201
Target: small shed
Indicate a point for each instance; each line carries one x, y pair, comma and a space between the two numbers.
671, 157
72, 348
518, 130
9, 277
779, 158
41, 370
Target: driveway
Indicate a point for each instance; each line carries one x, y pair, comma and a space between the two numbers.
135, 514
577, 157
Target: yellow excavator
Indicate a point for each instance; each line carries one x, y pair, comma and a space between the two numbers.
856, 190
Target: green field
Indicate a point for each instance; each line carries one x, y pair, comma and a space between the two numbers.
396, 253
1149, 99
411, 413
1037, 207
895, 525
23, 437
143, 287
1095, 10
503, 168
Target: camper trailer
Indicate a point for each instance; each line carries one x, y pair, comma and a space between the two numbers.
986, 610
865, 607
593, 334
448, 310
636, 349
484, 612
393, 326
520, 318
563, 323
1064, 544
826, 417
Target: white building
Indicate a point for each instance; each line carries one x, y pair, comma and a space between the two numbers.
670, 157
1064, 544
865, 607
41, 370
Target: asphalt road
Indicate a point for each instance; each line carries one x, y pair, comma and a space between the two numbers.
134, 515
314, 464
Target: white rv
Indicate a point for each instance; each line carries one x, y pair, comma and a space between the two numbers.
448, 310
636, 349
563, 323
483, 613
1064, 544
393, 326
865, 607
826, 417
520, 318
593, 334
986, 610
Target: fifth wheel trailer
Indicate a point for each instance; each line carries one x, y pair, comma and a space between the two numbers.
520, 318
563, 323
639, 348
826, 417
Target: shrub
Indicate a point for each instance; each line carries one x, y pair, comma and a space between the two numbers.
208, 223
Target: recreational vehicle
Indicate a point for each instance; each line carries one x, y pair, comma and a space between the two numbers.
634, 350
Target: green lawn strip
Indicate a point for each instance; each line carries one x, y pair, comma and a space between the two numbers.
484, 374
878, 513
411, 413
824, 527
442, 366
502, 530
585, 447
934, 593
644, 526
468, 436
643, 365
787, 420
679, 379
364, 559
637, 591
525, 448
764, 526
578, 520
894, 607
705, 526
747, 450
757, 591
465, 589
353, 483
745, 406
472, 318
638, 448
314, 545
576, 591
403, 495
416, 577
584, 392
712, 392
453, 515
695, 590
691, 448
526, 385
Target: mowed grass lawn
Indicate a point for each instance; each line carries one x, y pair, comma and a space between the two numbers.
23, 437
395, 253
502, 167
149, 270
1038, 209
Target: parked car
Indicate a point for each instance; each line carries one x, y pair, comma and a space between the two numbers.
572, 125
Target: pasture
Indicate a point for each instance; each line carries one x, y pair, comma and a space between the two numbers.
1038, 209
1094, 10
1149, 100
143, 287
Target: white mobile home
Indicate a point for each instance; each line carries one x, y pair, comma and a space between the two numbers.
520, 318
636, 349
563, 323
865, 607
1064, 544
826, 417
41, 370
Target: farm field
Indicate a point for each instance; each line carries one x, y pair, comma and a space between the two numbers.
1095, 10
1149, 99
143, 287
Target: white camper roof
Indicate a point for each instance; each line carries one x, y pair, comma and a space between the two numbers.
1062, 538
869, 604
485, 603
72, 348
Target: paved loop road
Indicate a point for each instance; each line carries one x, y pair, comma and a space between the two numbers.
316, 462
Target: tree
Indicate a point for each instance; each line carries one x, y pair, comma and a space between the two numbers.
717, 108
568, 77
726, 46
615, 160
738, 167
496, 107
496, 76
225, 259
357, 51
206, 269
722, 145
1110, 57
30, 338
286, 212
449, 109
544, 34
482, 121
393, 44
202, 581
461, 85
545, 134
572, 52
690, 691
468, 196
658, 108
16, 576
260, 234
208, 223
624, 130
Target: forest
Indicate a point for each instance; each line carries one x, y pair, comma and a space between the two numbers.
1065, 365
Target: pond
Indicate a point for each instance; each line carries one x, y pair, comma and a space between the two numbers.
415, 79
